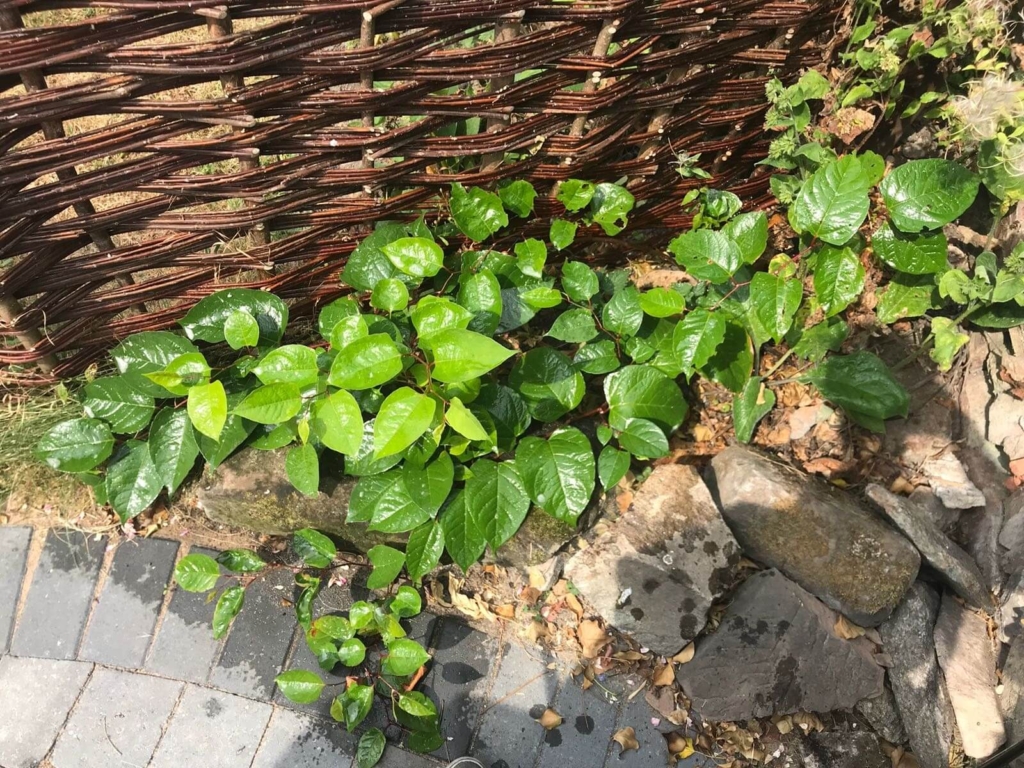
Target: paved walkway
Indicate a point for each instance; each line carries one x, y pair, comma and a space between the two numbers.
101, 664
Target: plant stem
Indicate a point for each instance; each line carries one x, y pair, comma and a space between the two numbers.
930, 338
778, 364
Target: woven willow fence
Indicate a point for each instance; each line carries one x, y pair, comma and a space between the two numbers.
152, 151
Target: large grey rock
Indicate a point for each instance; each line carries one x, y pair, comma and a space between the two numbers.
882, 715
1011, 698
843, 749
251, 490
776, 651
932, 507
656, 571
1011, 536
969, 666
817, 535
916, 679
952, 563
1010, 616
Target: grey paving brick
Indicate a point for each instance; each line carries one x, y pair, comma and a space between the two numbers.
458, 681
509, 736
212, 729
35, 698
122, 623
184, 648
586, 730
13, 552
295, 740
396, 757
258, 643
302, 658
59, 597
117, 721
653, 751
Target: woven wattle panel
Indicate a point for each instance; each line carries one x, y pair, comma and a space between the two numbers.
152, 151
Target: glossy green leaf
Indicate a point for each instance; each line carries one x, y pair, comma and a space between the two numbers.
133, 481
404, 415
579, 281
477, 213
923, 254
928, 194
573, 326
661, 302
463, 538
643, 438
751, 405
612, 466
290, 364
181, 373
367, 265
338, 422
496, 498
838, 279
948, 341
415, 256
562, 233
196, 573
750, 233
315, 549
303, 468
417, 705
548, 383
423, 550
116, 400
149, 352
336, 627
597, 358
480, 293
406, 603
833, 203
907, 296
517, 196
300, 686
334, 313
707, 255
387, 564
696, 338
366, 363
558, 473
235, 431
643, 392
405, 657
610, 207
241, 560
389, 295
173, 446
817, 341
241, 329
228, 606
623, 313
775, 300
205, 321
575, 194
462, 420
733, 360
269, 404
531, 256
433, 314
860, 383
461, 355
353, 706
75, 445
541, 297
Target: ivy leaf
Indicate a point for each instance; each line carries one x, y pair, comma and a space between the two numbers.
610, 207
612, 466
181, 373
315, 549
948, 341
334, 627
387, 564
623, 313
228, 606
696, 338
115, 400
133, 481
477, 213
597, 358
269, 404
733, 360
205, 321
531, 255
75, 445
517, 196
300, 686
433, 314
579, 281
415, 256
463, 538
541, 297
406, 603
303, 468
573, 326
860, 384
352, 708
404, 415
907, 296
461, 355
149, 352
575, 194
838, 279
707, 255
338, 422
662, 302
423, 550
290, 364
750, 233
235, 431
497, 499
429, 487
818, 340
643, 438
562, 233
196, 573
775, 301
643, 392
548, 383
367, 265
173, 447
241, 330
405, 657
751, 405
914, 254
558, 473
417, 705
366, 363
480, 293
389, 295
241, 561
352, 652
334, 313
462, 420
833, 202
928, 194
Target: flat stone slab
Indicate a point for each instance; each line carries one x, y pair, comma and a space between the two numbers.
296, 740
1011, 699
817, 535
657, 570
954, 565
883, 715
123, 621
184, 648
776, 652
212, 729
35, 698
60, 596
829, 749
14, 544
259, 638
916, 678
118, 720
585, 734
969, 667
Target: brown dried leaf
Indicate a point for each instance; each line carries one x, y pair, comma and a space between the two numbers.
537, 580
535, 630
846, 629
679, 746
592, 638
685, 655
506, 611
574, 605
664, 675
703, 433
529, 595
550, 719
626, 738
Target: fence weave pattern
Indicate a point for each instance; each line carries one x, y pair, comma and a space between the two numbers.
152, 151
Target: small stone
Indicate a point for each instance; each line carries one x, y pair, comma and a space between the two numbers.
916, 679
674, 553
803, 420
819, 536
1008, 425
947, 477
952, 563
932, 507
843, 749
882, 715
776, 652
968, 664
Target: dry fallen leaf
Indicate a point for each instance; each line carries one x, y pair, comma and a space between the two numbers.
679, 745
550, 719
626, 738
664, 675
529, 595
685, 655
846, 629
537, 580
535, 630
507, 611
593, 638
702, 433
574, 605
